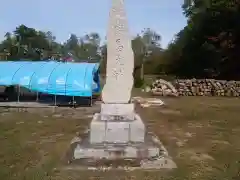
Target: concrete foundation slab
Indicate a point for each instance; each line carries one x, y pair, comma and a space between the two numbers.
149, 154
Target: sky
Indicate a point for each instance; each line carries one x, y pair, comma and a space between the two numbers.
63, 17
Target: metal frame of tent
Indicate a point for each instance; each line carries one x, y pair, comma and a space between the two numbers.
73, 98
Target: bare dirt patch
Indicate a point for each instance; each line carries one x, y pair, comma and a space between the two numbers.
169, 111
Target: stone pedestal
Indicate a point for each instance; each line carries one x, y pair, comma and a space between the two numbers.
123, 111
117, 123
119, 134
115, 131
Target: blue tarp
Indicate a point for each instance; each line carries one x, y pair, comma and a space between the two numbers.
69, 79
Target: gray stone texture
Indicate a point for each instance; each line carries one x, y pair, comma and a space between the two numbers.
120, 58
115, 131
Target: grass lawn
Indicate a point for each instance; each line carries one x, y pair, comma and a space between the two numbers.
201, 134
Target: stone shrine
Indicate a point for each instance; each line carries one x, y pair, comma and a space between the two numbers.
117, 132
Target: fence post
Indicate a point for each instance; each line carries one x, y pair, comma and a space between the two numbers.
18, 93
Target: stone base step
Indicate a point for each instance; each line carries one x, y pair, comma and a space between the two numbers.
148, 155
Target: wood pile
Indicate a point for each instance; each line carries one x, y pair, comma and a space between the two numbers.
197, 87
163, 88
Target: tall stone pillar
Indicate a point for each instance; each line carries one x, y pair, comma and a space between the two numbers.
117, 132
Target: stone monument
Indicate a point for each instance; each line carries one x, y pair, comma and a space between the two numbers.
117, 132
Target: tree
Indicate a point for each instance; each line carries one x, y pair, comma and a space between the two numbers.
85, 48
26, 43
30, 44
208, 45
91, 46
145, 46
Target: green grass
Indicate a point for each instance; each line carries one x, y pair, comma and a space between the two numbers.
200, 133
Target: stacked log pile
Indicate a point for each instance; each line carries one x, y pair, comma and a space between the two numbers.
197, 87
164, 88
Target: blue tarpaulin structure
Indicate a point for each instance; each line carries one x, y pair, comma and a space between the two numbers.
57, 78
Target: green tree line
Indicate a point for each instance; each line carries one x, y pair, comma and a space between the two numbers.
207, 47
26, 43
